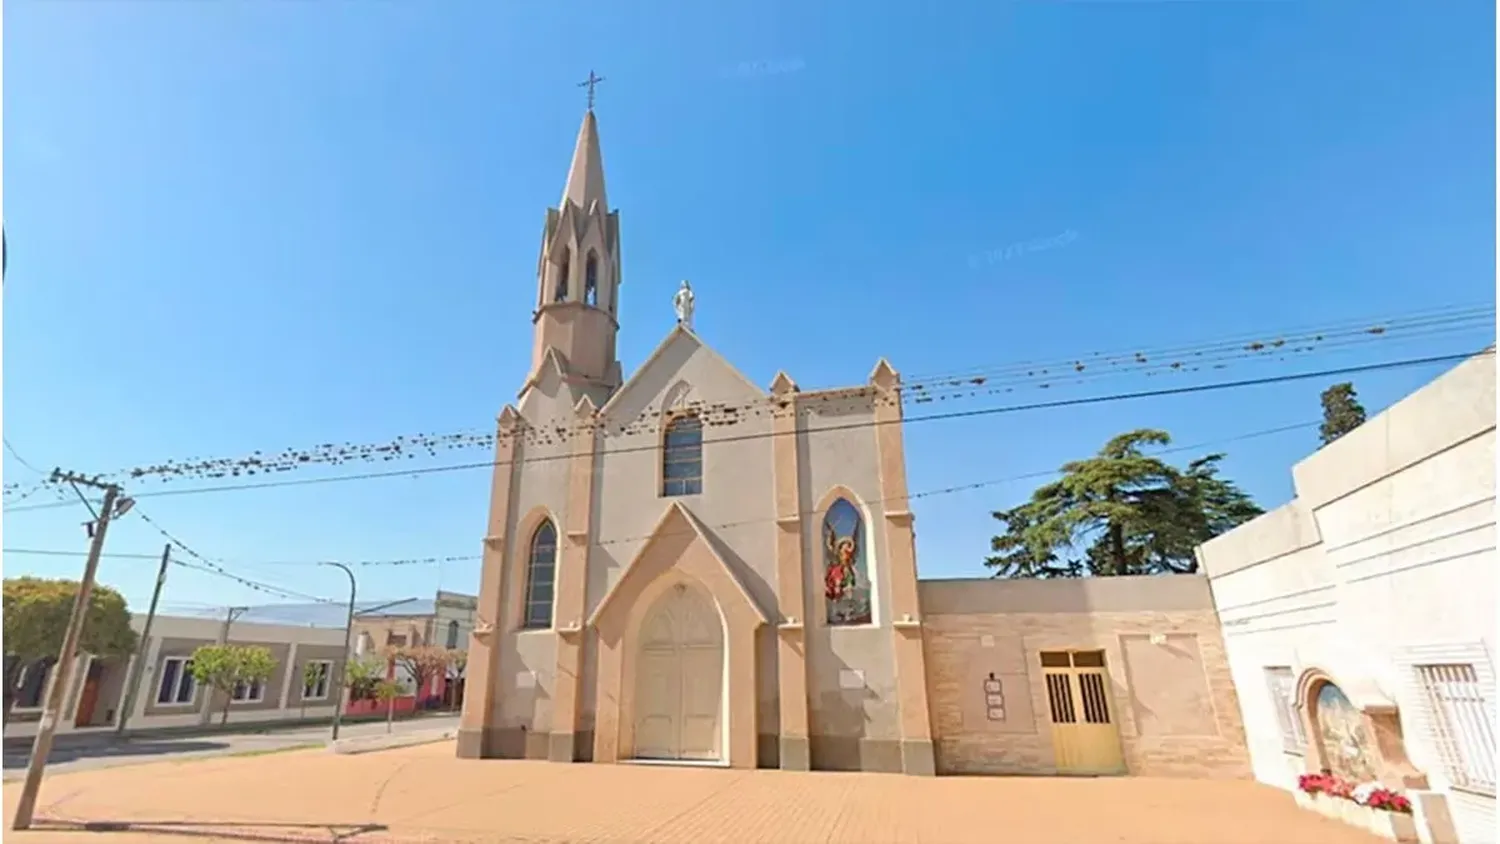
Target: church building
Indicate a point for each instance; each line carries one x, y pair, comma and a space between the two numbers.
682, 566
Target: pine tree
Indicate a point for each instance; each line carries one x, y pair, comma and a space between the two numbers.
1119, 512
1342, 412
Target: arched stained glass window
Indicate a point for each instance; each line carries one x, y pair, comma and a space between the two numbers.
682, 457
541, 569
846, 572
452, 635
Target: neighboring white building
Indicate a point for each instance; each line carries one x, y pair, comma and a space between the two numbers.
168, 696
1360, 618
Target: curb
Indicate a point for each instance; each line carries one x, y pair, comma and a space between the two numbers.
373, 744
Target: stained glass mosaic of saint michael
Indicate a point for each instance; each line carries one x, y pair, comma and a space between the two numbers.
846, 579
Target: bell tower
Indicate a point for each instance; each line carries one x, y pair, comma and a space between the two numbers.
578, 271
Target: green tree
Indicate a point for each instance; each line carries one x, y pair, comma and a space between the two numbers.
386, 691
361, 676
424, 663
312, 672
224, 668
1342, 412
36, 613
1119, 512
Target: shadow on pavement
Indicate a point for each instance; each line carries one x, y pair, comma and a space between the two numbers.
112, 750
302, 833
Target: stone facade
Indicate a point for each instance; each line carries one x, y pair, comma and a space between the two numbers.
682, 565
1374, 590
1174, 702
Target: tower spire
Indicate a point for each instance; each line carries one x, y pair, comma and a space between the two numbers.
578, 271
586, 174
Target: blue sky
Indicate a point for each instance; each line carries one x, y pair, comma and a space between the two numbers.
252, 225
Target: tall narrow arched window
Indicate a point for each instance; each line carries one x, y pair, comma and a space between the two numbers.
564, 270
591, 280
452, 635
846, 572
541, 567
682, 457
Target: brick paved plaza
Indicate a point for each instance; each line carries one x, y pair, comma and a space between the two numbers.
425, 794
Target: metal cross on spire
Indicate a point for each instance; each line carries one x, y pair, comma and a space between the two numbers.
589, 83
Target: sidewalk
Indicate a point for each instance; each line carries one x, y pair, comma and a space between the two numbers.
104, 737
425, 794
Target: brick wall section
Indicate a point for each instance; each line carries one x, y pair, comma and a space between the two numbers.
1174, 703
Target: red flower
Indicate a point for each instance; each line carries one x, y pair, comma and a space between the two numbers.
1321, 784
1389, 801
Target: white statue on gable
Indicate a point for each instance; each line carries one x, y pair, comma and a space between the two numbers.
683, 304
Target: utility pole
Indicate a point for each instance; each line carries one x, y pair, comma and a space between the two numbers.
229, 617
343, 672
133, 689
208, 706
114, 506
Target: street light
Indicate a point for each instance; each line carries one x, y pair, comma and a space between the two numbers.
338, 712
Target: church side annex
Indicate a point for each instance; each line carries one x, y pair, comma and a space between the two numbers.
659, 587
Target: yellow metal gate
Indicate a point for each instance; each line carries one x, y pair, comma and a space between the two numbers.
1085, 738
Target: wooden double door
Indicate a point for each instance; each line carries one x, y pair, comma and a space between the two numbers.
679, 698
1085, 735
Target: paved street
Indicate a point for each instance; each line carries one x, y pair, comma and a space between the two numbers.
110, 755
425, 794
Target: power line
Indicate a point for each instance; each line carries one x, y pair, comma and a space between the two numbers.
408, 561
970, 487
1254, 341
1047, 378
969, 383
933, 417
19, 459
44, 483
931, 493
214, 567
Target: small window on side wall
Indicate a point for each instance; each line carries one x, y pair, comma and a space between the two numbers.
682, 457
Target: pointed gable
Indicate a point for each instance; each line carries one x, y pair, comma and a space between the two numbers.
884, 375
681, 542
549, 376
659, 368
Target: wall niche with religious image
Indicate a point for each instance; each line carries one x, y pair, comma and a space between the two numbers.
1348, 748
846, 571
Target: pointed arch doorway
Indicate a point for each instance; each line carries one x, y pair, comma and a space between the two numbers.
680, 679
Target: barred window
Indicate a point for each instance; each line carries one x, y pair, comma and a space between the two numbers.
1463, 724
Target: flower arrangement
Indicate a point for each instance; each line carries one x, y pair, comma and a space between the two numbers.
1370, 794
